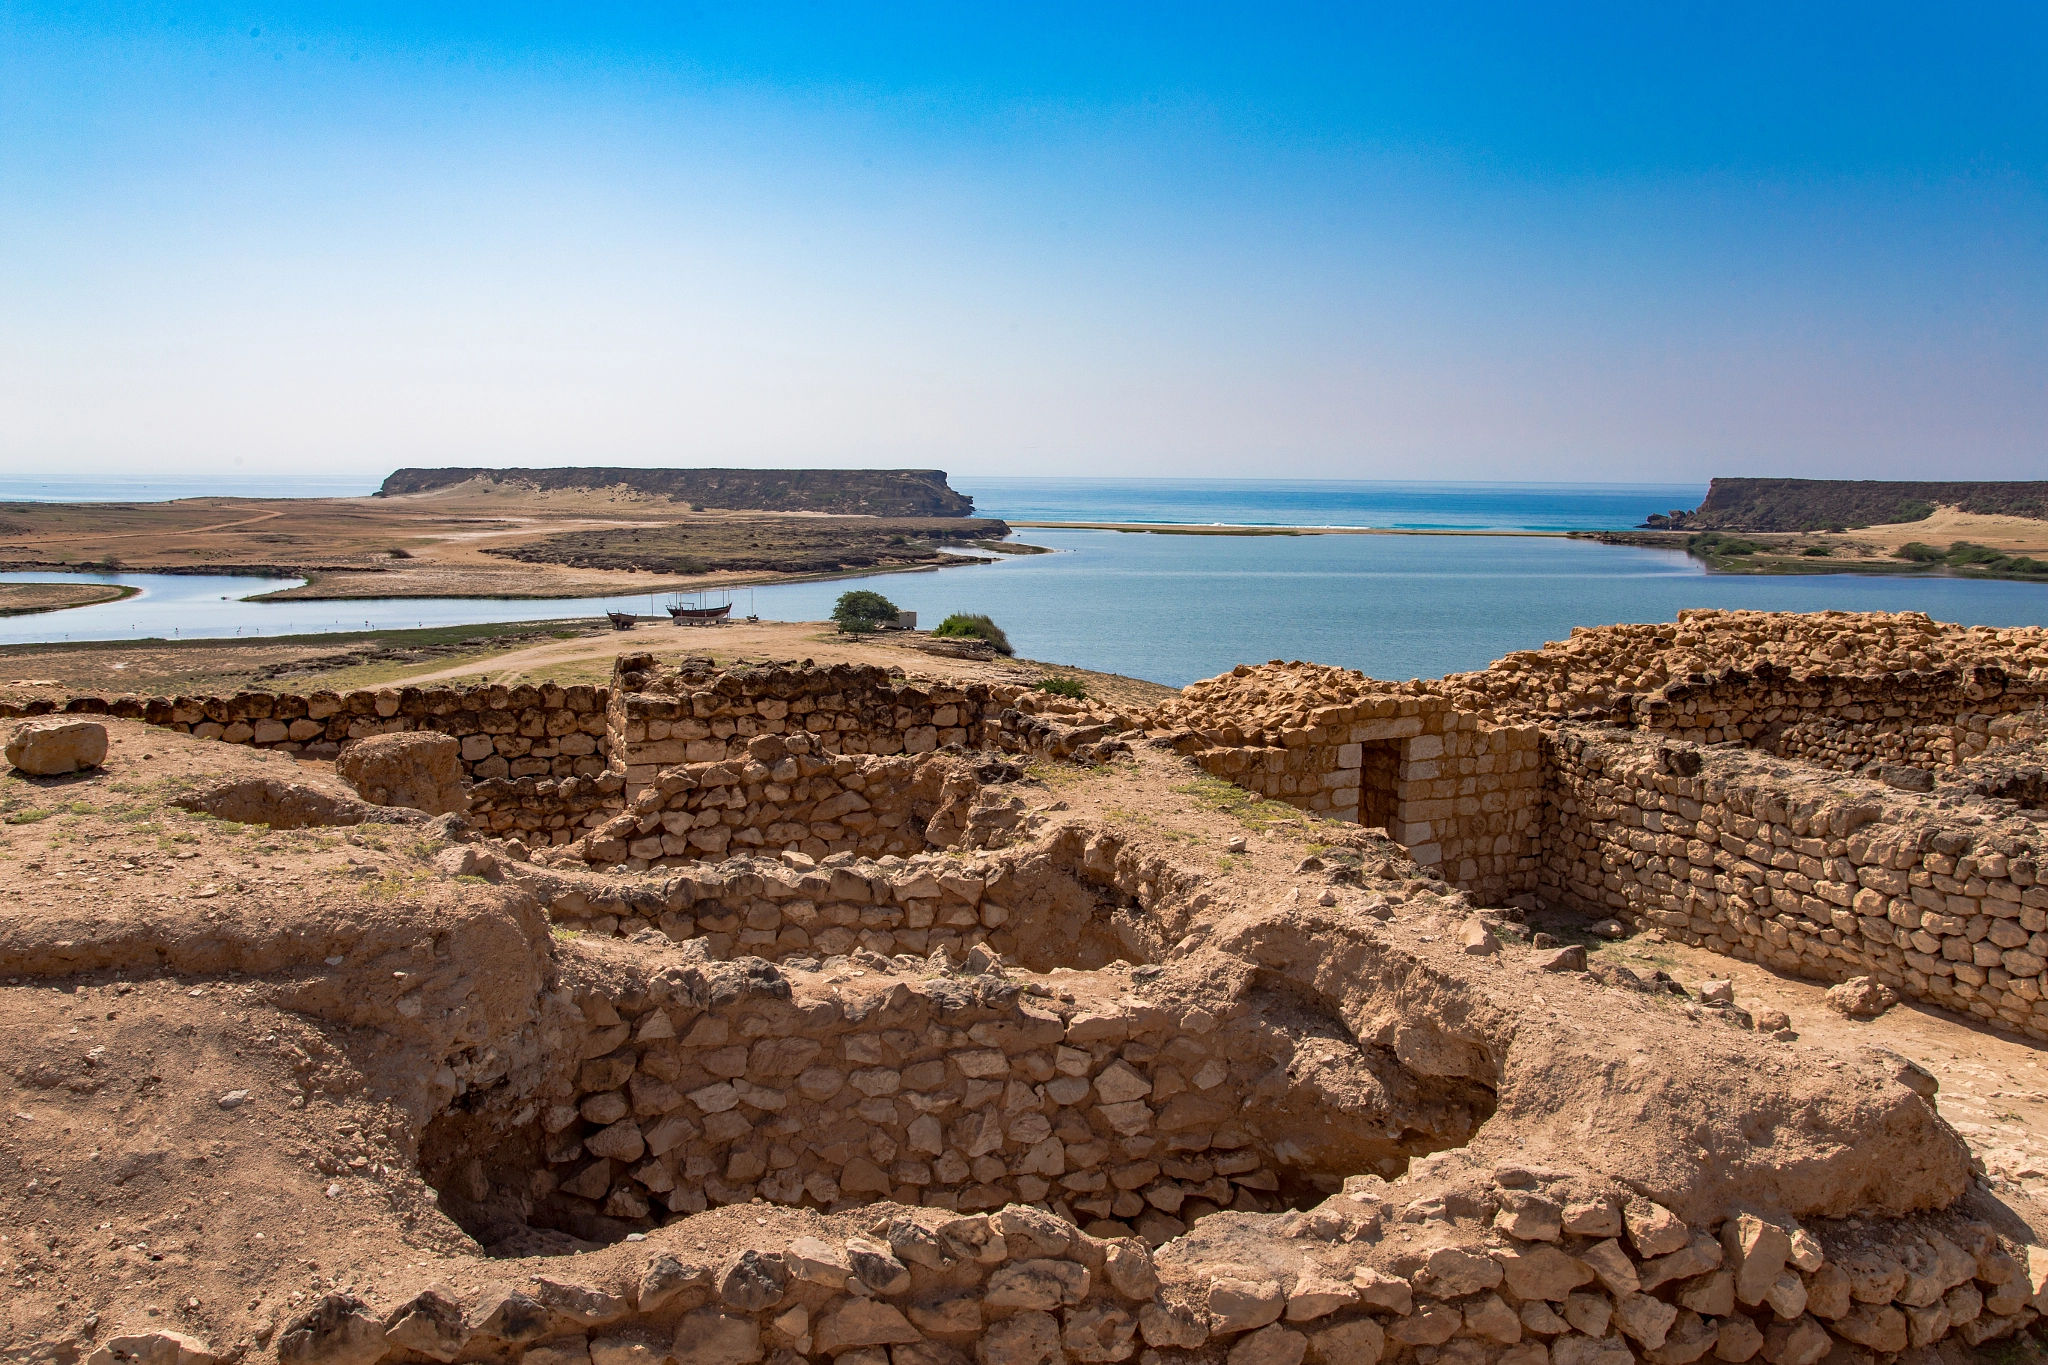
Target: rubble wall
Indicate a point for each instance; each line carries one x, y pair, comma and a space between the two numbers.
507, 733
1932, 720
1826, 877
661, 717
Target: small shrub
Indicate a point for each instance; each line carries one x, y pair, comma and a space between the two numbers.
399, 552
1918, 552
961, 625
861, 611
1071, 688
1963, 552
1816, 552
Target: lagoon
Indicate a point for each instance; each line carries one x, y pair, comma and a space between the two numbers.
1168, 608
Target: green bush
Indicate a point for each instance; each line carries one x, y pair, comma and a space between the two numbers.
1912, 509
1714, 543
1072, 688
978, 627
1963, 552
860, 611
1918, 552
1816, 552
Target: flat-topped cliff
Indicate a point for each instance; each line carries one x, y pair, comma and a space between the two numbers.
1821, 504
870, 492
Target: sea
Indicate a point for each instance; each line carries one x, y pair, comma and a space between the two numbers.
1169, 608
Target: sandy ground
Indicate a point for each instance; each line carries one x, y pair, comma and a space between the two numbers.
22, 599
418, 545
2013, 535
1994, 1086
560, 652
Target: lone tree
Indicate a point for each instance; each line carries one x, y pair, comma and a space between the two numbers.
861, 611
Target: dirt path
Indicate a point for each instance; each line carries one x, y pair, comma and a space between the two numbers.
589, 658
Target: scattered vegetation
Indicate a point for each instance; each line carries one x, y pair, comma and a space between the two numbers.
1974, 559
861, 611
961, 625
1071, 688
1252, 811
1816, 552
1713, 545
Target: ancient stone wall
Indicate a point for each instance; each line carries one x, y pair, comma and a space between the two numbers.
948, 1093
510, 733
781, 792
662, 716
1930, 720
1826, 877
1458, 790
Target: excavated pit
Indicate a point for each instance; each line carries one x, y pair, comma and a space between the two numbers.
693, 1074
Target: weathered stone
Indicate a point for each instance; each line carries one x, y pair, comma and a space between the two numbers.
1644, 1318
1655, 1230
1273, 1345
161, 1347
1880, 1327
1756, 1252
862, 1322
1360, 1342
418, 769
1316, 1296
1452, 1273
430, 1323
1861, 997
1101, 1333
50, 748
665, 1277
1028, 1338
1167, 1324
757, 1280
1613, 1266
1240, 1305
1583, 1350
1040, 1284
1128, 1263
1542, 1273
711, 1336
338, 1330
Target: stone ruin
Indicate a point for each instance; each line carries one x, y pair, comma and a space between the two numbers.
797, 1033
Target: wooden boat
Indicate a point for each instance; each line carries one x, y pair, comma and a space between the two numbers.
622, 620
692, 615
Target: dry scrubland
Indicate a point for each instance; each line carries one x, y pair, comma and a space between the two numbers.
800, 1013
483, 537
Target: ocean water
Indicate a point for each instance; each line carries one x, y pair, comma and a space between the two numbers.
1331, 502
1174, 608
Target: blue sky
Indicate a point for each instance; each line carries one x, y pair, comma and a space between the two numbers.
1619, 242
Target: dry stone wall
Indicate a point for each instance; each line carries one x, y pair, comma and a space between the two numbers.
1827, 877
956, 1093
506, 732
662, 716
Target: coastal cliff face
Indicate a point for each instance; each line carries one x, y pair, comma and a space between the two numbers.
857, 492
1821, 504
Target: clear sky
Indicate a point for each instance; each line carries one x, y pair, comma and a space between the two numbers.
1651, 242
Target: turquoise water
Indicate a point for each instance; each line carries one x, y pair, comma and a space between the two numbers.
1176, 608
1331, 502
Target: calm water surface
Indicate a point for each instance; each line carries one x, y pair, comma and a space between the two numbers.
1169, 608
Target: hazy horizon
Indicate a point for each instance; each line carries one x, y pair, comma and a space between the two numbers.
1486, 245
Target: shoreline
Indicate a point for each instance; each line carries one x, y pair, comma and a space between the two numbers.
1188, 528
